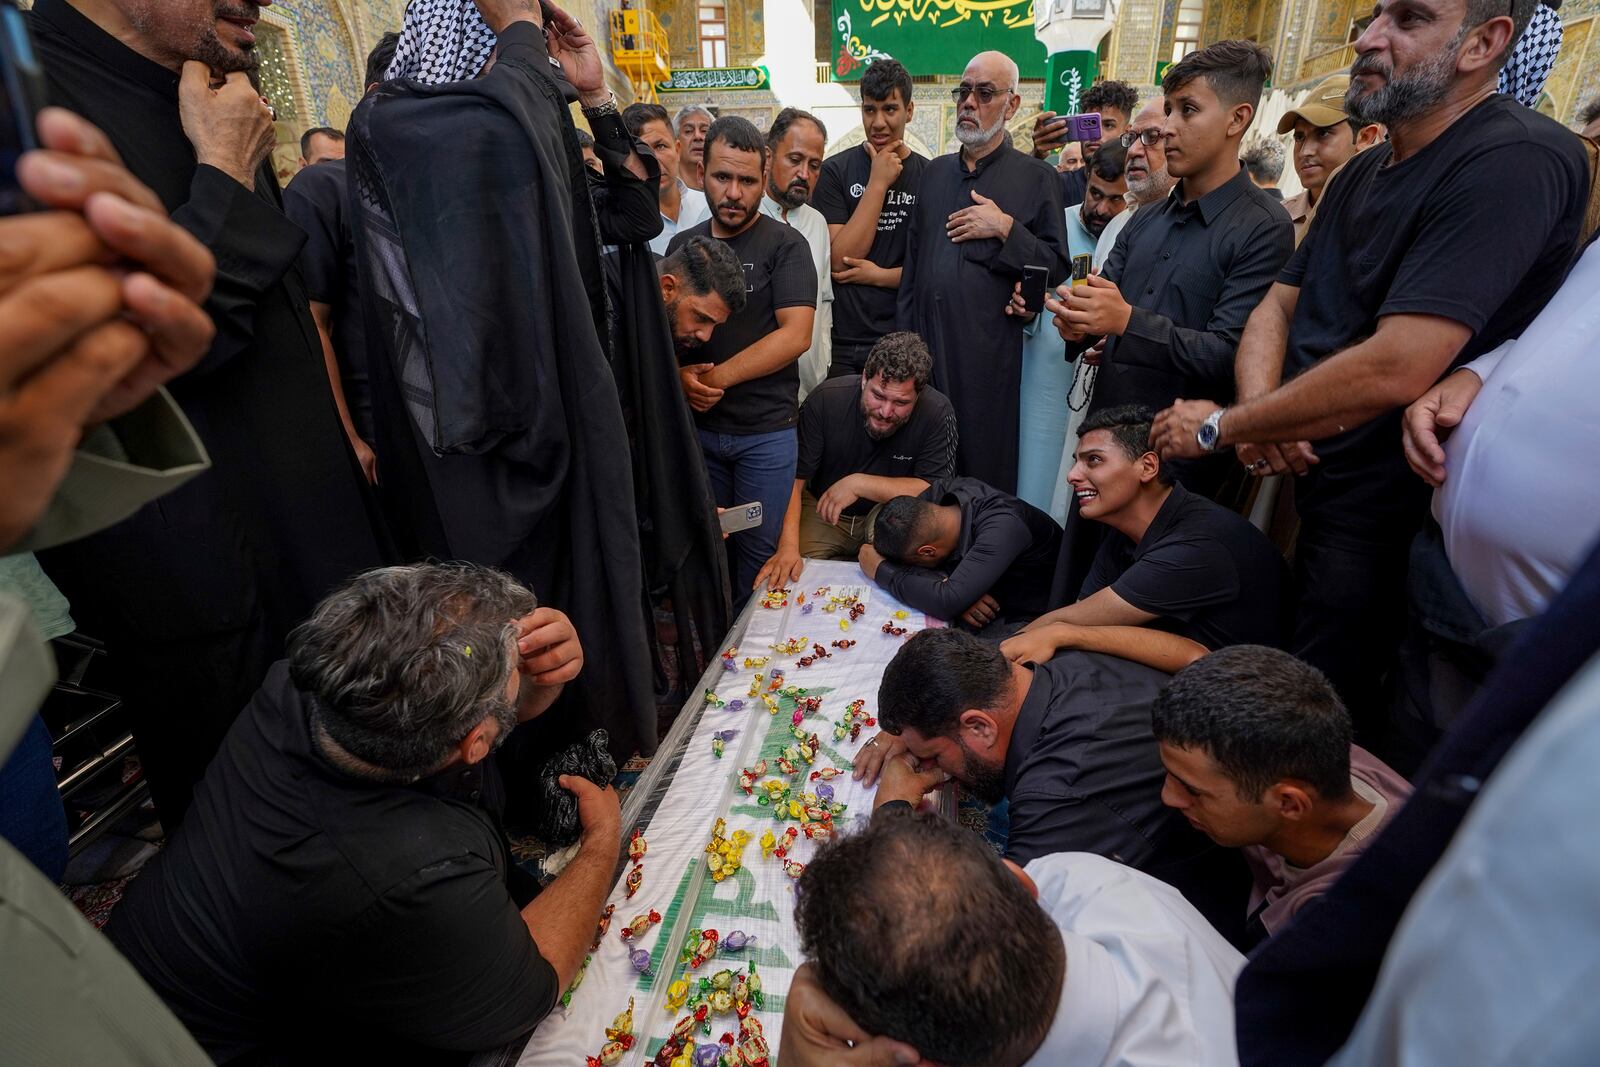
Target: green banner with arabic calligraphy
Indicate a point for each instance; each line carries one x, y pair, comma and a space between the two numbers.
932, 36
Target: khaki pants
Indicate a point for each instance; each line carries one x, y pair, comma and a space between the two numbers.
818, 540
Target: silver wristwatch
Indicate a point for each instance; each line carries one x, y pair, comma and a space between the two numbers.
1210, 431
607, 108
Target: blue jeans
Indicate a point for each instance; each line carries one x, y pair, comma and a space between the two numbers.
31, 815
746, 467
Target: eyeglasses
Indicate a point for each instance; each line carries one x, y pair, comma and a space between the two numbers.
1146, 137
984, 93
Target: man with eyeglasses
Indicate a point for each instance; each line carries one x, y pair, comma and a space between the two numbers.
1149, 181
984, 214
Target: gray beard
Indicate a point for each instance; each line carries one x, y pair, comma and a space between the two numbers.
1153, 187
1413, 93
980, 137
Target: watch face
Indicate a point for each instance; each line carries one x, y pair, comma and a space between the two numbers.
1208, 434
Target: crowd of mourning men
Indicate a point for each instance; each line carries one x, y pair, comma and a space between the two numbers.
1254, 519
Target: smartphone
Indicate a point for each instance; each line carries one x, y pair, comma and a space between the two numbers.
1082, 263
740, 517
22, 93
1034, 282
1084, 127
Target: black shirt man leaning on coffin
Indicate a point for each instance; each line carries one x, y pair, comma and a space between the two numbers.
342, 891
1171, 560
1068, 743
195, 595
983, 215
864, 439
964, 550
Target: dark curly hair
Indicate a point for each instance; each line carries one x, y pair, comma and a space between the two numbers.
899, 356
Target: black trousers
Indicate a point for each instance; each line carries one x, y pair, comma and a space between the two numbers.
847, 359
1352, 616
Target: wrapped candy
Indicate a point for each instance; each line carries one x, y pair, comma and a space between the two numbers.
818, 832
719, 741
894, 631
621, 1027
786, 766
603, 925
677, 993
640, 958
640, 924
707, 1055
827, 774
794, 869
611, 1053
704, 947
855, 731
825, 792
771, 702
768, 843
720, 1001
712, 700
637, 845
805, 661
635, 879
902, 614
805, 609
736, 940
735, 705
756, 661
844, 643
775, 598
844, 624
786, 842
755, 686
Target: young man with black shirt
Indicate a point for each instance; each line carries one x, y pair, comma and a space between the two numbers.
867, 195
1185, 273
964, 550
1173, 560
863, 440
1380, 300
743, 385
342, 888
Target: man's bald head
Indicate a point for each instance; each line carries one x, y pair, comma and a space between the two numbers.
996, 68
986, 100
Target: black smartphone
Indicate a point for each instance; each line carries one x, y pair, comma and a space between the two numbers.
22, 93
1034, 282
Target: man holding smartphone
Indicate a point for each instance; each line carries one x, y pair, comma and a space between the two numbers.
983, 215
1115, 103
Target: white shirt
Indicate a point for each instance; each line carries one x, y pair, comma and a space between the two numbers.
692, 210
814, 228
1149, 982
1493, 963
1108, 236
1521, 498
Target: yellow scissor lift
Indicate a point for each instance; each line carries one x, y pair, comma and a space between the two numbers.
639, 47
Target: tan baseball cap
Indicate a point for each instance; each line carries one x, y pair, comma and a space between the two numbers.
1324, 105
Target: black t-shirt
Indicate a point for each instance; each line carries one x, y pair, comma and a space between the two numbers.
864, 313
1208, 574
834, 441
1478, 227
301, 913
778, 274
315, 201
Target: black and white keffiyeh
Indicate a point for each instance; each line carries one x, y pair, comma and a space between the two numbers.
442, 41
1533, 58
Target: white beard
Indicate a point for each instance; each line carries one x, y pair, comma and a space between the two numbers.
980, 137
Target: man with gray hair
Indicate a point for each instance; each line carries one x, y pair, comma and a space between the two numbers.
692, 123
1263, 159
342, 883
984, 215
